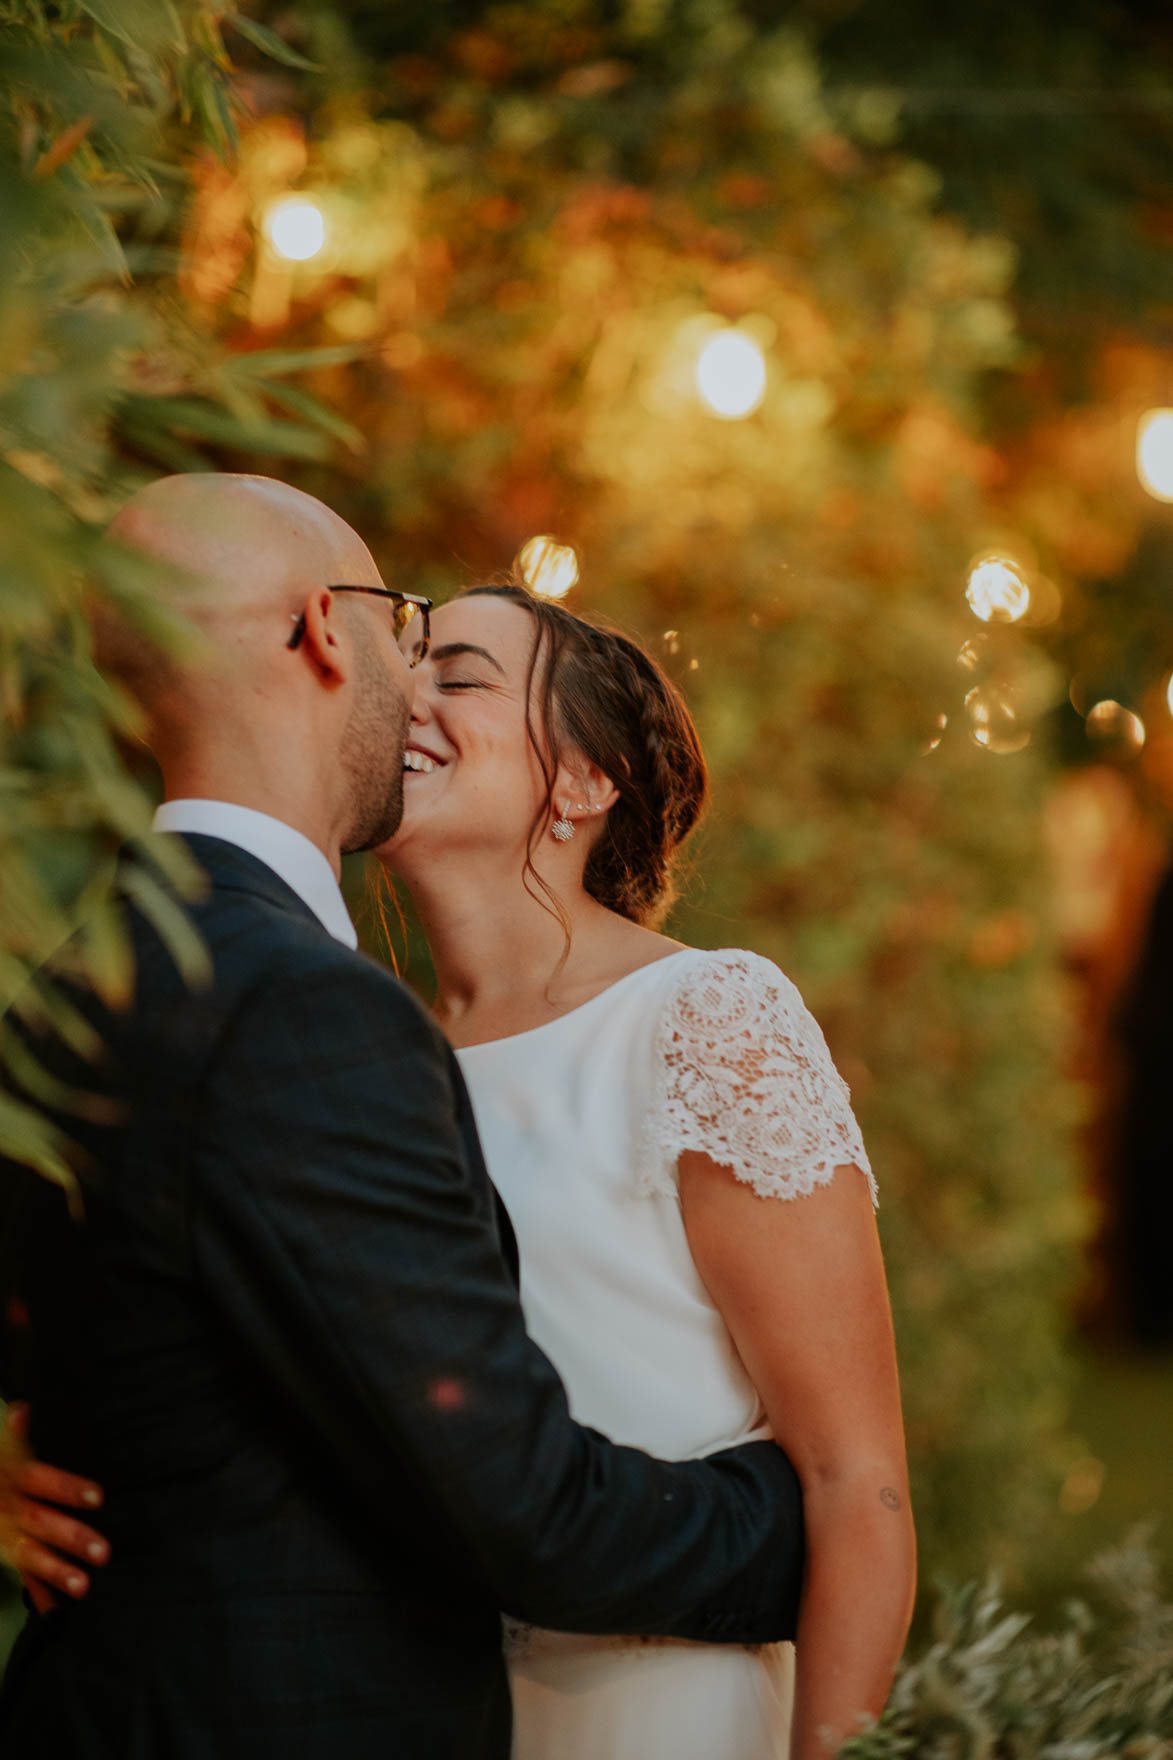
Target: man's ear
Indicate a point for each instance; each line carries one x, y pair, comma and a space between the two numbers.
325, 641
582, 791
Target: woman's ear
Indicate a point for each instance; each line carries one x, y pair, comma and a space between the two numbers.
583, 792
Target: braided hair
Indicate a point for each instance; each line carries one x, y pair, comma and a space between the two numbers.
598, 691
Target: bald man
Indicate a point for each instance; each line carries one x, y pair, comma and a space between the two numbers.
286, 1338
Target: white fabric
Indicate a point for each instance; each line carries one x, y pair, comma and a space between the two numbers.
750, 1082
292, 857
581, 1120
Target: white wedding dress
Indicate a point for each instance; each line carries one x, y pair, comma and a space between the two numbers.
582, 1121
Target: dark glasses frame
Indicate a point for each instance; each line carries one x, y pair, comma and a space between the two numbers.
422, 605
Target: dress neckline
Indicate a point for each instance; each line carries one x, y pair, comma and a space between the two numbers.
579, 1008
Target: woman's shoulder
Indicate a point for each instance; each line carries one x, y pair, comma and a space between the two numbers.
731, 1006
746, 1076
726, 984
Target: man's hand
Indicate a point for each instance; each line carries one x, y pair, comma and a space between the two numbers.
38, 1539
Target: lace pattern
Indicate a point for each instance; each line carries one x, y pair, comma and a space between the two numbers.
746, 1078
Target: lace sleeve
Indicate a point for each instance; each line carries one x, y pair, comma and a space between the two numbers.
744, 1075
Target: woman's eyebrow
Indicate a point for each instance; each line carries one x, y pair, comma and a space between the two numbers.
449, 651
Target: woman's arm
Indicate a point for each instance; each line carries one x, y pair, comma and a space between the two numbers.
800, 1284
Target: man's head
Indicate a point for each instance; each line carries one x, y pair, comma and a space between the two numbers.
312, 734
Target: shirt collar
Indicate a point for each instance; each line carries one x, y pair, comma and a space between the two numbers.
292, 857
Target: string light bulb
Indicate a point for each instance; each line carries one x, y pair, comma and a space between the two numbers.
996, 591
1110, 723
295, 228
731, 375
548, 567
1154, 453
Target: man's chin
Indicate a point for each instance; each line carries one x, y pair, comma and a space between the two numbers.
376, 833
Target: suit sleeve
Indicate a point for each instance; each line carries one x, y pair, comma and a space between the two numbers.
351, 1251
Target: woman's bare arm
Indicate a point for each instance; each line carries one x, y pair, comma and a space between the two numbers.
800, 1284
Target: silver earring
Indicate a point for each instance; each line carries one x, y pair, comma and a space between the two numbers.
562, 829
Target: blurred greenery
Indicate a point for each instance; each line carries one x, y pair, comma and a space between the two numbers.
1096, 1680
533, 214
101, 380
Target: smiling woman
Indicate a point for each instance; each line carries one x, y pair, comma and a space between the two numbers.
559, 722
689, 1189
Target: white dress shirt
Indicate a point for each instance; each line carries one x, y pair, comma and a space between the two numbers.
292, 857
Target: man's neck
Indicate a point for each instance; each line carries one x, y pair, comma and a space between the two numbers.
294, 807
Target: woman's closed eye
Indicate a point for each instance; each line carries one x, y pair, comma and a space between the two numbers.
463, 684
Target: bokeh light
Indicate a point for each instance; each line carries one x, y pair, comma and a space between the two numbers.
295, 228
1110, 723
994, 721
1154, 453
548, 567
996, 590
936, 736
731, 375
1169, 693
1082, 1486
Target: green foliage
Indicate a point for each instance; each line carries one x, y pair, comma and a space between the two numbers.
99, 376
1054, 126
991, 1685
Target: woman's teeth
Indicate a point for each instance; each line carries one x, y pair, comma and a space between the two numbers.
419, 762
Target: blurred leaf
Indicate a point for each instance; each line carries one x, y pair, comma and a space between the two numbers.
175, 928
25, 1138
311, 409
212, 109
150, 25
44, 1090
106, 949
155, 421
271, 363
261, 37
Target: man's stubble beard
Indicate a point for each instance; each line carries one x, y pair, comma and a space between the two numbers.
372, 755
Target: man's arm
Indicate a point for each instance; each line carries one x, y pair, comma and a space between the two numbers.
350, 1249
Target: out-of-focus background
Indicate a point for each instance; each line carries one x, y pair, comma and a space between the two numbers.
827, 348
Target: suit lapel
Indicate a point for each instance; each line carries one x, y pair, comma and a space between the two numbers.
230, 868
233, 869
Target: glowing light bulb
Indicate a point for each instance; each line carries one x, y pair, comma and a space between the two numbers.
1169, 693
731, 375
548, 567
1109, 722
994, 720
296, 228
996, 591
1154, 453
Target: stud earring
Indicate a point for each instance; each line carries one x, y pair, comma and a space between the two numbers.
562, 829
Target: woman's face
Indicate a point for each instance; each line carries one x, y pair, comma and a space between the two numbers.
472, 778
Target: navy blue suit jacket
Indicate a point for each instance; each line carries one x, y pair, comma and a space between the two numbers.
286, 1339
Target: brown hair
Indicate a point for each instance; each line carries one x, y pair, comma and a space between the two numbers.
598, 691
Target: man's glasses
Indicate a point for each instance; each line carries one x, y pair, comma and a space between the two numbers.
407, 609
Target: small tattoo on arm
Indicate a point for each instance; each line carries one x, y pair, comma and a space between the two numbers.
890, 1499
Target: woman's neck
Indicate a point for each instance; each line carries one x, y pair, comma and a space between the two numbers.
489, 939
500, 954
